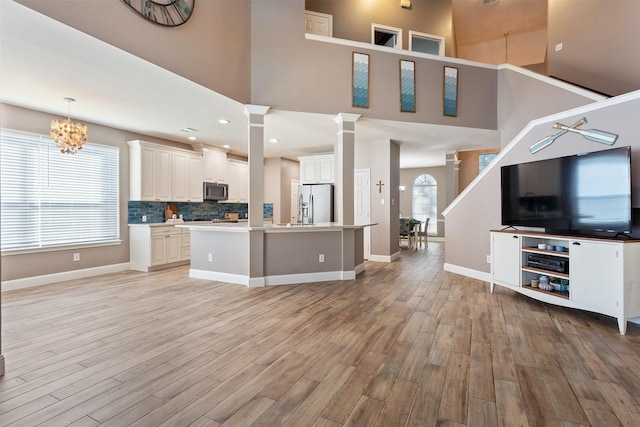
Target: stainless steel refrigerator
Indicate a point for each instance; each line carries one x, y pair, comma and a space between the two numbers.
315, 203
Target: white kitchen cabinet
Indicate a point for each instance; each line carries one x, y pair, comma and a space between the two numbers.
187, 177
195, 190
505, 253
317, 169
155, 247
238, 180
215, 165
601, 275
159, 173
150, 173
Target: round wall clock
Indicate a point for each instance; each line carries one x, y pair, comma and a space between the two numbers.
168, 13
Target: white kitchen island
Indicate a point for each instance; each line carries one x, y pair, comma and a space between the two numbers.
275, 254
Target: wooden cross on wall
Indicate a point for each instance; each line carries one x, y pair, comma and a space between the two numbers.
379, 184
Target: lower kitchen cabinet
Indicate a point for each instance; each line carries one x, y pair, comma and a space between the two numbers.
156, 247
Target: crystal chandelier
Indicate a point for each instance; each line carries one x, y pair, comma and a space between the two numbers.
68, 136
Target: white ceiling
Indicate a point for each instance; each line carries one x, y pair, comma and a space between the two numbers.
42, 61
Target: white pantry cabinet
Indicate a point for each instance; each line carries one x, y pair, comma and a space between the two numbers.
317, 169
595, 274
156, 247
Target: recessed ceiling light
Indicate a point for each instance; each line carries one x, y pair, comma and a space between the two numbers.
192, 138
274, 140
226, 146
224, 121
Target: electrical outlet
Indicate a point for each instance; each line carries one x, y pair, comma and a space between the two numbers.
210, 257
488, 259
76, 256
382, 201
559, 47
321, 258
144, 218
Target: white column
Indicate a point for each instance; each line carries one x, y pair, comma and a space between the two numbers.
453, 172
344, 159
256, 114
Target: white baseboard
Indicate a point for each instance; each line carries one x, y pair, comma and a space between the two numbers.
46, 279
359, 269
463, 271
237, 279
289, 279
384, 258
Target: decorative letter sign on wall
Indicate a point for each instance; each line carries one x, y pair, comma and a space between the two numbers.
407, 86
450, 91
360, 90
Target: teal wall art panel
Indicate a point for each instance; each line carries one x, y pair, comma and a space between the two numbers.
450, 91
360, 90
407, 86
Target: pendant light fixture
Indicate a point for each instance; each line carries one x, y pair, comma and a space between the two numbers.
68, 136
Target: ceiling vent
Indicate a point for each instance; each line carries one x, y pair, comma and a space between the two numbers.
490, 2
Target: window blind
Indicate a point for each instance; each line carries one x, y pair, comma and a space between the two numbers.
52, 199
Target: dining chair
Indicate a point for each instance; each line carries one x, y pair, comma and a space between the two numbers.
405, 230
422, 234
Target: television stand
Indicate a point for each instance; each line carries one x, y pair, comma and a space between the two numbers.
594, 274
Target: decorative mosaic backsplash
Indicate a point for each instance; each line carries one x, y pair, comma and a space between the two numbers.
190, 211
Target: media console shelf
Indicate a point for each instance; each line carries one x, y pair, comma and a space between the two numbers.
594, 274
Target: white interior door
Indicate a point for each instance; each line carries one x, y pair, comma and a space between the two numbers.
362, 205
293, 216
318, 23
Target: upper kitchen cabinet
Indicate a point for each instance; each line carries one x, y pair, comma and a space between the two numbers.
237, 178
215, 165
187, 177
165, 174
316, 169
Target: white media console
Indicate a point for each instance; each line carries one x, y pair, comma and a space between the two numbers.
603, 275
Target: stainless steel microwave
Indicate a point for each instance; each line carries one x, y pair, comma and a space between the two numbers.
216, 191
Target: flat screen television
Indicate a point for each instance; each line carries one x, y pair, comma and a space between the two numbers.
582, 194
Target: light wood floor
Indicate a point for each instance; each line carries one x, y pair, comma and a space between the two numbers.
404, 344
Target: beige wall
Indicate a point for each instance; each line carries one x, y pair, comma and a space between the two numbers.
277, 186
518, 49
522, 99
283, 76
352, 19
407, 178
50, 262
468, 167
600, 44
212, 48
382, 158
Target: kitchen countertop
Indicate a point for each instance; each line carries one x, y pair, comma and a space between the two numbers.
270, 228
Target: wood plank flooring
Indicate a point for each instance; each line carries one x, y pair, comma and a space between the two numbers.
404, 344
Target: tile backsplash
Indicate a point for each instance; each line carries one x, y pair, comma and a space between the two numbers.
154, 211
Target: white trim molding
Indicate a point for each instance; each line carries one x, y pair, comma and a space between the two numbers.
46, 279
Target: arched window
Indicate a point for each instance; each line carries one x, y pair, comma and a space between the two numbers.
424, 199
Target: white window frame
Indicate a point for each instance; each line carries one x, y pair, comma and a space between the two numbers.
389, 30
425, 36
53, 201
416, 192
